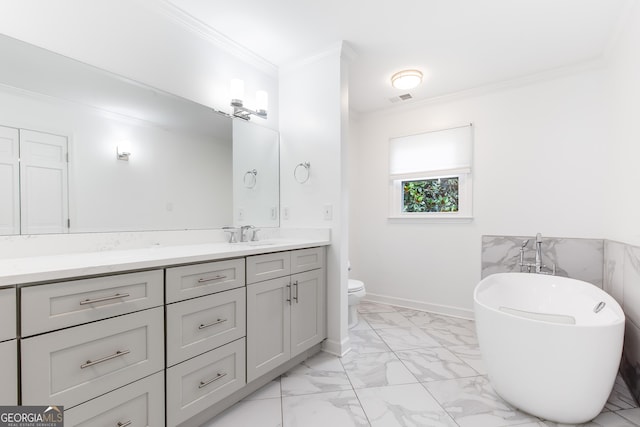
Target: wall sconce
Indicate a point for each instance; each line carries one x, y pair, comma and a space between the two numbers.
123, 151
237, 93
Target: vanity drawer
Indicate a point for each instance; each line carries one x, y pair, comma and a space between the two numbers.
141, 404
268, 266
202, 324
198, 383
60, 305
7, 314
197, 280
9, 373
307, 259
74, 365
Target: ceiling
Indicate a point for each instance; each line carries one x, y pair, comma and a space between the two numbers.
457, 44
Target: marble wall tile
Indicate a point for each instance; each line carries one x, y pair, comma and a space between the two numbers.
614, 254
576, 258
631, 291
630, 366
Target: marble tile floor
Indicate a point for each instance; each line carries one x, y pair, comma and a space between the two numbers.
407, 368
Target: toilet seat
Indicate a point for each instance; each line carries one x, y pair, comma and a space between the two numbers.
355, 285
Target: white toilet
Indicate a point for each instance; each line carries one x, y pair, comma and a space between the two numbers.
356, 293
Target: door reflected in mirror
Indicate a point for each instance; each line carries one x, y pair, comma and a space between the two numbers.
180, 173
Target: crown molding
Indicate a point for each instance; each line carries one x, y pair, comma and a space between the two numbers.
548, 75
206, 32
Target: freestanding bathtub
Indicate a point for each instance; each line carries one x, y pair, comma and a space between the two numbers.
551, 345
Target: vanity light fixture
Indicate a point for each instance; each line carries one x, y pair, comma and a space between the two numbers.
123, 151
239, 110
406, 79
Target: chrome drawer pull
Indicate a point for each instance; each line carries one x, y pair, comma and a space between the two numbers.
124, 424
216, 378
296, 286
92, 301
218, 277
289, 290
104, 359
203, 326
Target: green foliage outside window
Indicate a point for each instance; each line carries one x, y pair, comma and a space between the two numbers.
431, 195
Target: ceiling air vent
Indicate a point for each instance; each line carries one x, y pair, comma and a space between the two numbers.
404, 97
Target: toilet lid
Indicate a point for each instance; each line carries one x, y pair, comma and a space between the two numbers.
355, 285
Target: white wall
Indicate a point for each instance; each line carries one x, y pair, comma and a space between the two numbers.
623, 203
313, 128
145, 40
538, 167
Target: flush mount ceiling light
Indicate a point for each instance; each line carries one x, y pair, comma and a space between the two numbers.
406, 79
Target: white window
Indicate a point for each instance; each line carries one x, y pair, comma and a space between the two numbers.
430, 175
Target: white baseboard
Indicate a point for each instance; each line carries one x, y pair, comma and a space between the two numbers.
422, 306
337, 348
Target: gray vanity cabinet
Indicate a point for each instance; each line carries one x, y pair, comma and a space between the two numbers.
285, 315
8, 348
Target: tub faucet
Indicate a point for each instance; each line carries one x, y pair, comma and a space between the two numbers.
539, 253
538, 266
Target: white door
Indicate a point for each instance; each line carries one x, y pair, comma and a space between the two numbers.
43, 183
9, 181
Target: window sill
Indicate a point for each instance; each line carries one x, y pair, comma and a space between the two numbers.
430, 219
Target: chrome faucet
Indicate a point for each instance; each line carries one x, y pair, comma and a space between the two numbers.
538, 253
538, 266
243, 233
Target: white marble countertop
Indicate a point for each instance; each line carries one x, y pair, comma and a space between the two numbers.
17, 271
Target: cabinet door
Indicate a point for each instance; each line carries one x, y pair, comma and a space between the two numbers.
307, 310
268, 326
9, 373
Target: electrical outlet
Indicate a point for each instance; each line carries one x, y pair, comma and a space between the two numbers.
274, 213
240, 214
285, 213
328, 212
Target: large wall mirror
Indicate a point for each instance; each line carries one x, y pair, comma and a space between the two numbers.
83, 150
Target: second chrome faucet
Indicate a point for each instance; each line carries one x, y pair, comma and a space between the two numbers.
538, 266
